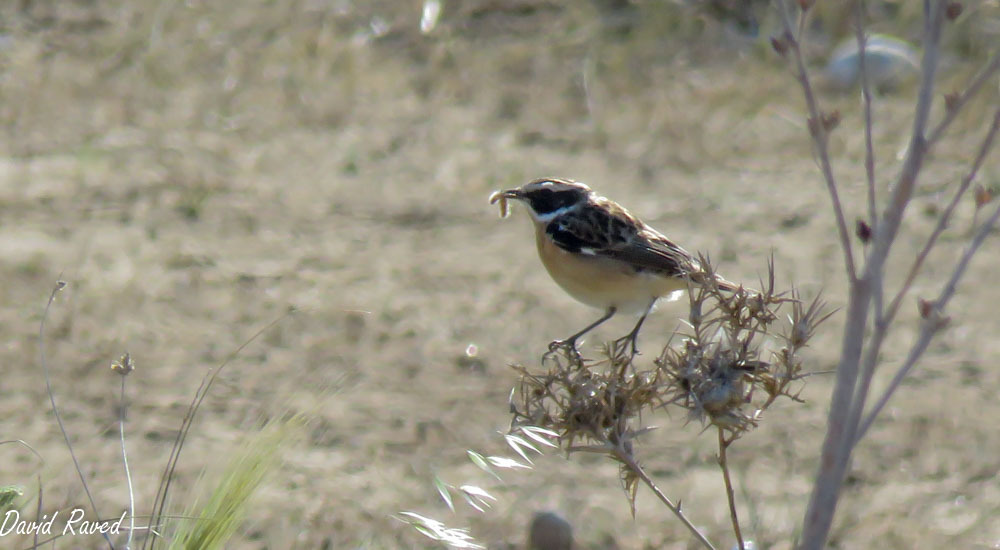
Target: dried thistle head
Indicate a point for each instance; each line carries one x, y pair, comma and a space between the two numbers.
725, 368
123, 365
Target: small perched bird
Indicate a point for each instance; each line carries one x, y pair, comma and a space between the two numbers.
602, 255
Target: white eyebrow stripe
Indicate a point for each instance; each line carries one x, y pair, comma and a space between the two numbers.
588, 251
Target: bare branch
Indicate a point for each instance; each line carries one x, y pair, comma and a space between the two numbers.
945, 217
866, 94
845, 406
820, 136
932, 324
916, 152
730, 494
956, 104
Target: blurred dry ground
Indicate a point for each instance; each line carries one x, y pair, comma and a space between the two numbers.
194, 169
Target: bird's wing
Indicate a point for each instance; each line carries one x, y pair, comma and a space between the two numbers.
609, 231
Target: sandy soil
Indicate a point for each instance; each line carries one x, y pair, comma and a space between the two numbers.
194, 172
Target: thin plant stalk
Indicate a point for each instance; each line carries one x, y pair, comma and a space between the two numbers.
820, 137
128, 474
866, 95
630, 462
730, 493
933, 323
55, 410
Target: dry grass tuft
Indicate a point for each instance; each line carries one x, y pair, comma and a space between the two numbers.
214, 521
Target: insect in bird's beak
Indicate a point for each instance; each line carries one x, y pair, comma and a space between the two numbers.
501, 197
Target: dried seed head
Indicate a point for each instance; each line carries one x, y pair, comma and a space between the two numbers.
953, 10
714, 370
123, 365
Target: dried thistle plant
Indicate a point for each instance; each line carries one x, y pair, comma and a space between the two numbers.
726, 368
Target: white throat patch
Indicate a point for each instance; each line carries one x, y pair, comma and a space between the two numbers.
549, 216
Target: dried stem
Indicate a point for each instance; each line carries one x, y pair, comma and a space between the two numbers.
866, 95
945, 217
933, 323
730, 494
629, 461
960, 100
52, 399
820, 136
128, 474
850, 393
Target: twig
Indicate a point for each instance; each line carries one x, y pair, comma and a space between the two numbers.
38, 511
730, 494
932, 324
128, 474
820, 138
956, 104
55, 410
866, 95
629, 461
846, 403
882, 322
945, 216
881, 325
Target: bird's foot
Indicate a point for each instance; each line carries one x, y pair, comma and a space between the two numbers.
567, 346
629, 342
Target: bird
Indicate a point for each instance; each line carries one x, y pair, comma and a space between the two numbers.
602, 255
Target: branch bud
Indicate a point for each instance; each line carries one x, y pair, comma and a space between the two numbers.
953, 10
983, 196
780, 45
863, 231
951, 101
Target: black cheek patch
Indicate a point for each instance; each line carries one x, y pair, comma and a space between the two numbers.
544, 201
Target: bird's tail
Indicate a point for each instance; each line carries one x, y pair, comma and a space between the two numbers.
727, 286
724, 285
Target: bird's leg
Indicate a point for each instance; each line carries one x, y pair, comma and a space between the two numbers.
633, 336
571, 341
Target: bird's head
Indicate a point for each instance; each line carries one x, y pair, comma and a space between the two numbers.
548, 197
